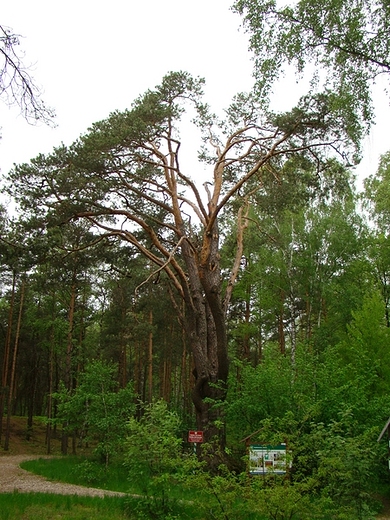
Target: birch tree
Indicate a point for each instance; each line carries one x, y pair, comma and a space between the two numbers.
342, 45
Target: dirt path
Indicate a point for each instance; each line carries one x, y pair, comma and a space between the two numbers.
13, 478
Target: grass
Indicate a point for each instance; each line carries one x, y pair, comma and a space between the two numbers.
82, 471
76, 470
179, 502
87, 472
42, 506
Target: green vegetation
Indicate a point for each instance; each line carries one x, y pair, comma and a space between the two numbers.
40, 506
336, 473
84, 472
344, 39
97, 410
246, 296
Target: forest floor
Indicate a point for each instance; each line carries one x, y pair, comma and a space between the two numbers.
13, 478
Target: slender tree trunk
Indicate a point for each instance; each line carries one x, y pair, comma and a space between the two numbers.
308, 314
13, 368
7, 348
137, 368
32, 392
68, 358
50, 396
246, 354
81, 357
167, 377
293, 329
122, 345
123, 340
150, 358
259, 350
282, 338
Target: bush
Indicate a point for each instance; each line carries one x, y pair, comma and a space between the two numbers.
97, 408
154, 459
90, 472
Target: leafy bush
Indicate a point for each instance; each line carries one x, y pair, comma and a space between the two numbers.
90, 472
348, 467
97, 409
154, 459
281, 500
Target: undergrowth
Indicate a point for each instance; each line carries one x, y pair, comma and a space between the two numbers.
44, 506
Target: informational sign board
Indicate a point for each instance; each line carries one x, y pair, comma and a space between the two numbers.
195, 436
264, 459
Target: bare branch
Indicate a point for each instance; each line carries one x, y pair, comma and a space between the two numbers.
16, 85
162, 267
129, 237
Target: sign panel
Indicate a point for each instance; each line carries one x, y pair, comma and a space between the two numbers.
265, 459
195, 436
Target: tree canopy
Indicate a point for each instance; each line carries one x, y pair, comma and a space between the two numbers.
342, 44
125, 180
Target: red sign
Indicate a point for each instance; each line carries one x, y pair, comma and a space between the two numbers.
194, 436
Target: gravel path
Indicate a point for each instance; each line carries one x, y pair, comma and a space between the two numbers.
14, 478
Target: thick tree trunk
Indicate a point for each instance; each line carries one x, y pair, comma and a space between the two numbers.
183, 397
206, 332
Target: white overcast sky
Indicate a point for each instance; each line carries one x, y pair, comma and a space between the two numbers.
93, 57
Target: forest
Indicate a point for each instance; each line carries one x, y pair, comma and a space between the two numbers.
245, 295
